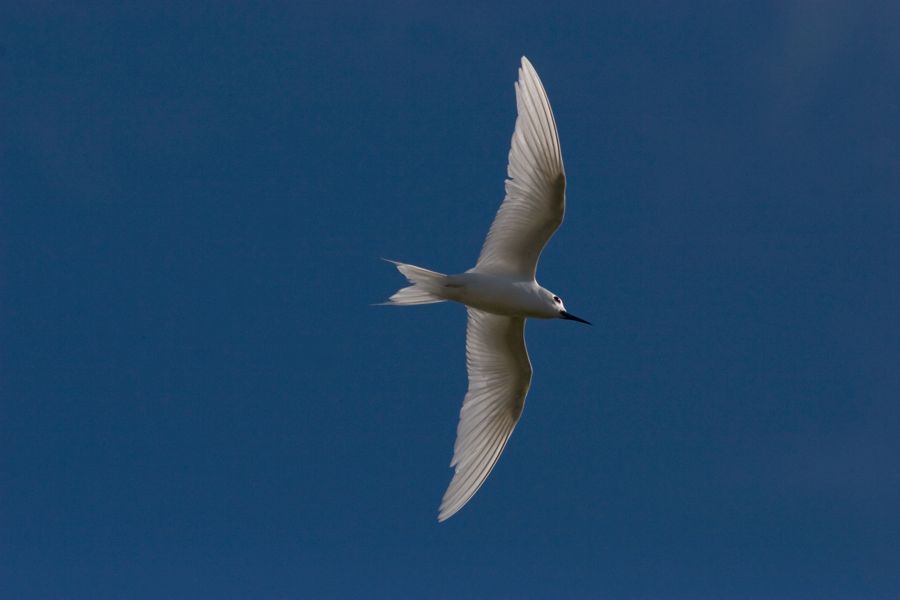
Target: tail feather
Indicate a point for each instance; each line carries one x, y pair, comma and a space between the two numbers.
425, 289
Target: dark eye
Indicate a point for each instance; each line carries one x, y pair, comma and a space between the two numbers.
556, 299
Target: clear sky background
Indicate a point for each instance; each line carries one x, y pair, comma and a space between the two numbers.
199, 401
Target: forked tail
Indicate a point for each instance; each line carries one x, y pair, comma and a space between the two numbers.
426, 288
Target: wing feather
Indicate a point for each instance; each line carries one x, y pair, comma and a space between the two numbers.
535, 189
499, 378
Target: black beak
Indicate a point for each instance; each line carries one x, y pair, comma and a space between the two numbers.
570, 317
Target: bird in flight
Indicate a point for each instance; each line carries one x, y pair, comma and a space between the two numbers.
500, 292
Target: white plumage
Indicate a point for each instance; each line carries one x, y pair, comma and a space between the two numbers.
499, 378
501, 292
535, 190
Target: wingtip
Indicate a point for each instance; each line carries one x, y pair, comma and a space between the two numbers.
444, 513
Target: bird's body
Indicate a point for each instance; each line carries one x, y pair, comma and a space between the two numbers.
501, 295
500, 292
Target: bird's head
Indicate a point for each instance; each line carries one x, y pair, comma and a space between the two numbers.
561, 309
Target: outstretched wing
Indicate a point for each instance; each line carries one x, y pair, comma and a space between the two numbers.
499, 378
536, 189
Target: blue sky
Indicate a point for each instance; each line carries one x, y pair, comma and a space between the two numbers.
199, 401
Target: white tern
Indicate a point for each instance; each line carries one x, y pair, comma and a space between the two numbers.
500, 292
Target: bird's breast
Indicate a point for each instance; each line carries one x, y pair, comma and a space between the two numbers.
496, 294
